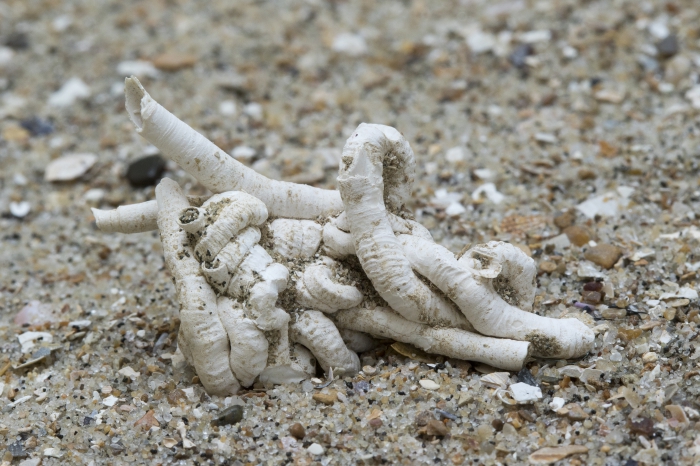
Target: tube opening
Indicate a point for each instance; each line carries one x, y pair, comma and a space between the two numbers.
134, 93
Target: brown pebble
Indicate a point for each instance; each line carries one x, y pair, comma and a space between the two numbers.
576, 413
587, 174
497, 424
643, 426
670, 314
375, 423
435, 428
15, 134
629, 334
30, 443
175, 396
607, 149
561, 267
604, 255
297, 431
565, 219
521, 225
678, 416
513, 418
326, 398
147, 421
527, 415
550, 455
548, 267
577, 235
592, 297
174, 61
423, 418
565, 382
593, 286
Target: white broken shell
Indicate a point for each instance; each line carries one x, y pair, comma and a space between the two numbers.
28, 339
69, 167
496, 379
524, 393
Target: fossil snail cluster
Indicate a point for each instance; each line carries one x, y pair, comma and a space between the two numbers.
274, 276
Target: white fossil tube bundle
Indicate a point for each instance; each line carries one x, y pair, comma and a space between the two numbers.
273, 277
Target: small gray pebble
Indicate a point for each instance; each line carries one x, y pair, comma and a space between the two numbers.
231, 415
525, 376
668, 46
145, 171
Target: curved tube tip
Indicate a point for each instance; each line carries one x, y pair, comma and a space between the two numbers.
101, 217
570, 339
134, 94
584, 340
106, 220
217, 275
331, 295
191, 219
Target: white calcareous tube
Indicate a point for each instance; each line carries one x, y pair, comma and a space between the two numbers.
318, 333
318, 290
336, 242
365, 188
485, 308
128, 219
215, 169
205, 341
227, 214
451, 342
133, 218
513, 272
220, 271
248, 356
295, 239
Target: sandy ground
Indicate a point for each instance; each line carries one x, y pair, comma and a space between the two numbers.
560, 126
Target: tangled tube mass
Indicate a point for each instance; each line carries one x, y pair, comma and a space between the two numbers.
230, 279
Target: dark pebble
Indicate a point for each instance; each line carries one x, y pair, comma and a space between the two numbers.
645, 426
668, 47
36, 126
525, 376
521, 52
231, 415
145, 171
17, 450
17, 41
593, 286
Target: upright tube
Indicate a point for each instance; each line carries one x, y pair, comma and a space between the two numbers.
215, 169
